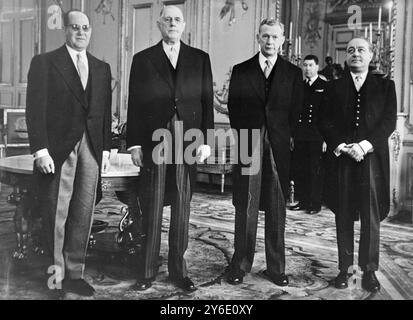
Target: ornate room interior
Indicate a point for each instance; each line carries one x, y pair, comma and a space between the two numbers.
226, 29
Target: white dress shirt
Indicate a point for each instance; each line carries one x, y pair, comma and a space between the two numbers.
362, 80
263, 61
73, 54
172, 49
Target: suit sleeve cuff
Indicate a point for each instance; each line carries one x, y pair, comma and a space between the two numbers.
366, 146
106, 154
41, 153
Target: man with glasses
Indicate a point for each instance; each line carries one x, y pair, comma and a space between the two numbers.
69, 124
358, 116
170, 87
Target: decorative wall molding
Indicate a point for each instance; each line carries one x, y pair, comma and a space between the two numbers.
397, 144
278, 8
229, 9
105, 9
393, 25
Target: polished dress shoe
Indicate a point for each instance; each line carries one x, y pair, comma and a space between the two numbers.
185, 284
341, 281
299, 207
78, 286
235, 280
142, 285
280, 280
370, 282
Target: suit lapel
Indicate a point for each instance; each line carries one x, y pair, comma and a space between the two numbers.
316, 84
184, 66
371, 86
64, 64
278, 80
160, 63
344, 86
255, 76
94, 77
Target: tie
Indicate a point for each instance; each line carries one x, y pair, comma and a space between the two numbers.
268, 68
358, 83
307, 82
81, 68
173, 57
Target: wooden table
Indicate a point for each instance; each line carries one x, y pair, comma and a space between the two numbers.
17, 172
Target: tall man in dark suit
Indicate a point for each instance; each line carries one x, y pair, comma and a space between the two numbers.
69, 124
170, 87
309, 146
359, 115
265, 94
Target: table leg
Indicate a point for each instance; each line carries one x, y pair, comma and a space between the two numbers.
20, 198
131, 237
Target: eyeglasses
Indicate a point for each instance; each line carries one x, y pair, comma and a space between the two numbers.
170, 19
76, 27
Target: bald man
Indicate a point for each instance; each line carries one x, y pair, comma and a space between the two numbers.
359, 115
69, 124
170, 85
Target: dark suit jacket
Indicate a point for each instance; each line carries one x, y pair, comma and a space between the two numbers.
249, 109
58, 110
152, 99
307, 128
337, 121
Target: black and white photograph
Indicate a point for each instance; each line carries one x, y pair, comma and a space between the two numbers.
223, 152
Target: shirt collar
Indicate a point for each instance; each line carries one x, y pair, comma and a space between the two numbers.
74, 53
263, 59
167, 47
363, 76
312, 80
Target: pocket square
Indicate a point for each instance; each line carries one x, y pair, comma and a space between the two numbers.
320, 90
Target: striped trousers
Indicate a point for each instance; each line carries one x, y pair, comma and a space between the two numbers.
153, 184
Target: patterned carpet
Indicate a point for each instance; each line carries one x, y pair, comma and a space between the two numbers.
311, 259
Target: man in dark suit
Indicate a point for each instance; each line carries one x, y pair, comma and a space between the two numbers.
309, 146
170, 88
69, 125
359, 115
266, 95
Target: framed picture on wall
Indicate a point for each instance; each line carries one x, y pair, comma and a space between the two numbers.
14, 122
